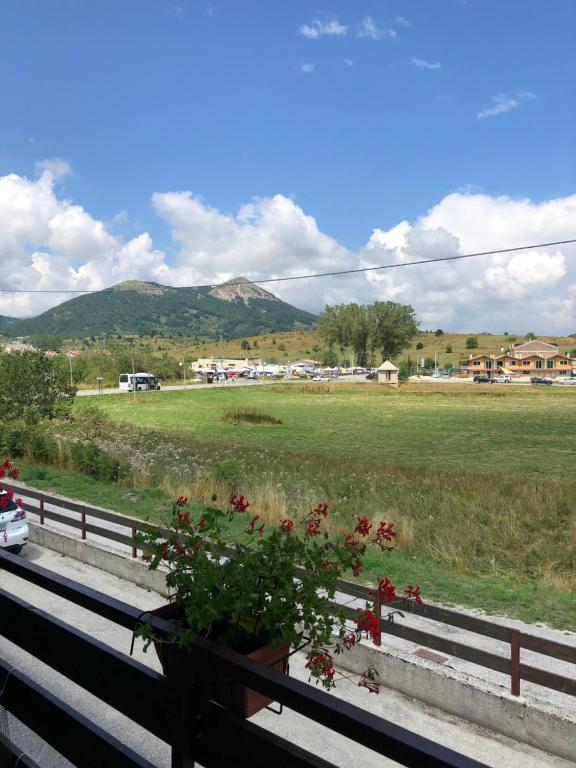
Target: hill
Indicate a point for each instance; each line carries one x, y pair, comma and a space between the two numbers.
237, 308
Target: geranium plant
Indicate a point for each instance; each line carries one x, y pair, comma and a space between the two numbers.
269, 586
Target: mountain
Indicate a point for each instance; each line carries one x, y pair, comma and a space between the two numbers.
5, 320
237, 308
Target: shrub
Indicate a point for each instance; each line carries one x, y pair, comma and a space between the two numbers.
419, 345
471, 342
248, 416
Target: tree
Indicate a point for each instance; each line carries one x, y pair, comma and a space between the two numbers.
439, 332
245, 344
471, 342
406, 368
448, 349
530, 336
429, 362
419, 345
328, 358
46, 341
393, 326
347, 325
34, 387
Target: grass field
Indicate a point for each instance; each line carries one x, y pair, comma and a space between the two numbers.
478, 480
507, 430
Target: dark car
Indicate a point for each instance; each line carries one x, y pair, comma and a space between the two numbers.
540, 380
481, 379
371, 376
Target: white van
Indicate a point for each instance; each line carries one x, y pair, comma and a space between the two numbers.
139, 382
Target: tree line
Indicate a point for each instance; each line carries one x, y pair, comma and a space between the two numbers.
385, 327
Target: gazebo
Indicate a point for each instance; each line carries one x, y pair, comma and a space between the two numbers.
388, 374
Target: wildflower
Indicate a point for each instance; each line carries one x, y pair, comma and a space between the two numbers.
252, 523
321, 665
181, 501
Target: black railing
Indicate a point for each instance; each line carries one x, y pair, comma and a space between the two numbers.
199, 731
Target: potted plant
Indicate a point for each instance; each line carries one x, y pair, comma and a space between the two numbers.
264, 593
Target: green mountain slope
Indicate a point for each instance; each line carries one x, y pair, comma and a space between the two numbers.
142, 308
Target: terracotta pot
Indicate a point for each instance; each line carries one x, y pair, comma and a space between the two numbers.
235, 697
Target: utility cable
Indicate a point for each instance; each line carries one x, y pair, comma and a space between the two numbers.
309, 277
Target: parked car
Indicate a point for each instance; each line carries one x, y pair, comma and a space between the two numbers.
370, 376
504, 378
481, 379
321, 378
568, 380
13, 525
540, 380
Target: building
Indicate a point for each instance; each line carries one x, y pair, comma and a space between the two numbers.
534, 358
388, 374
204, 364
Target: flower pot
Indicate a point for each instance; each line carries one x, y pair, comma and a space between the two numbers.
233, 696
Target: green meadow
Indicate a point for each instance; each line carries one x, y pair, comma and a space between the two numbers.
479, 479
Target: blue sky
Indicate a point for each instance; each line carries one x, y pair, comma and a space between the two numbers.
360, 114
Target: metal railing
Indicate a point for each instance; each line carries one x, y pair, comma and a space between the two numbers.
517, 640
197, 730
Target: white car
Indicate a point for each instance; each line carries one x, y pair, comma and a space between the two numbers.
13, 525
568, 380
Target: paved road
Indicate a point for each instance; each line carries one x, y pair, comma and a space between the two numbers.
476, 742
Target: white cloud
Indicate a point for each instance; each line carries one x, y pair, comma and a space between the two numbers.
349, 62
49, 242
423, 64
402, 21
368, 28
307, 68
318, 29
503, 103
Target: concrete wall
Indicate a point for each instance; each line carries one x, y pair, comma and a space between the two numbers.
467, 697
135, 571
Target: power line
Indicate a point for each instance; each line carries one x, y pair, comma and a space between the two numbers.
310, 277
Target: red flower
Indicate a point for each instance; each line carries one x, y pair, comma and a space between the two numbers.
367, 681
322, 509
312, 528
286, 526
239, 503
321, 665
202, 523
357, 569
385, 591
184, 517
414, 593
252, 523
384, 533
363, 526
368, 622
181, 501
165, 552
349, 641
15, 473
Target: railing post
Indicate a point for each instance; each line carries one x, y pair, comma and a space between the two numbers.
134, 548
83, 522
41, 510
515, 662
182, 714
378, 613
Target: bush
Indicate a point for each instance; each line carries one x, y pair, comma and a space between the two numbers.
471, 342
92, 461
448, 349
419, 345
248, 416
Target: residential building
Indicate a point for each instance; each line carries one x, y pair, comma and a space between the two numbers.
533, 358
